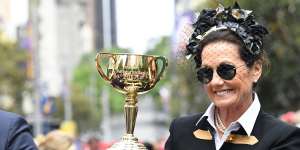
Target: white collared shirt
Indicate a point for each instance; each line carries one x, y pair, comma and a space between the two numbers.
246, 121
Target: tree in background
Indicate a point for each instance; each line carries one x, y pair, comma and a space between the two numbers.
12, 74
179, 78
280, 88
162, 48
86, 90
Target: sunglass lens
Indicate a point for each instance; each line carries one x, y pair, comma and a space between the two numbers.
205, 75
226, 71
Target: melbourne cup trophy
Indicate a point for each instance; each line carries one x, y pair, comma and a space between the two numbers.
130, 74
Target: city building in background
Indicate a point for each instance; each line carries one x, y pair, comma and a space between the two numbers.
63, 33
13, 16
105, 24
67, 30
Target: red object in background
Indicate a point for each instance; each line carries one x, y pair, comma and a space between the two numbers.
288, 117
97, 145
93, 144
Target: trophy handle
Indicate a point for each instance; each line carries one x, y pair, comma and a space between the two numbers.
164, 65
99, 68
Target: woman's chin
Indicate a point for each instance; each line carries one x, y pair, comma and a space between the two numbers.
223, 102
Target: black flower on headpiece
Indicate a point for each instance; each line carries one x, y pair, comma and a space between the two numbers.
238, 20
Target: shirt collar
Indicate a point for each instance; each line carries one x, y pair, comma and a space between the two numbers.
247, 120
209, 113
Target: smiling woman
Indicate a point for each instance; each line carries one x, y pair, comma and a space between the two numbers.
228, 91
227, 48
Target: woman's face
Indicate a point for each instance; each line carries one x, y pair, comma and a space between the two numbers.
234, 92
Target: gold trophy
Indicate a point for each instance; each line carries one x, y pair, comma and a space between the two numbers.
130, 74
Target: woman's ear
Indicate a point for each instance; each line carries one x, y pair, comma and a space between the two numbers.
256, 71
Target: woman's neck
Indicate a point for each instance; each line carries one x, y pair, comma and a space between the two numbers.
234, 112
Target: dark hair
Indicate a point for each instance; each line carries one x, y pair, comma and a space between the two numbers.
232, 37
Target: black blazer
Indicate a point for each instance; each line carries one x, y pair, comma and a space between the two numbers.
272, 134
15, 133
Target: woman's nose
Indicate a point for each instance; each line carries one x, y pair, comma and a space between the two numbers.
216, 79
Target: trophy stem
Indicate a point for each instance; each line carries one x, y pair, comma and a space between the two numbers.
131, 110
129, 141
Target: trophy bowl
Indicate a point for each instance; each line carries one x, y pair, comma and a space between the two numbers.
130, 74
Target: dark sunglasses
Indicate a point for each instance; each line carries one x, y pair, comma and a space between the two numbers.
225, 71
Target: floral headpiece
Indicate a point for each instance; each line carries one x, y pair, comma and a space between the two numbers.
238, 20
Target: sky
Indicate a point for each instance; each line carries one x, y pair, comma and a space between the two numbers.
19, 11
142, 22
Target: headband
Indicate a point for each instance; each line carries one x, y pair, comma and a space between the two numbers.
233, 18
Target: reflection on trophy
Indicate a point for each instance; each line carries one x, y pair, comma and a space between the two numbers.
131, 75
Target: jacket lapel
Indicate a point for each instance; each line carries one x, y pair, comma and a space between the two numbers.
203, 134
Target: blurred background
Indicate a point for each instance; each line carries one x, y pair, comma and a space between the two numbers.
48, 74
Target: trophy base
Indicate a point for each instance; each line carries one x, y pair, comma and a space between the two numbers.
128, 142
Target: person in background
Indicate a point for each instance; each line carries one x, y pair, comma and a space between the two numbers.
56, 140
93, 144
15, 133
226, 46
